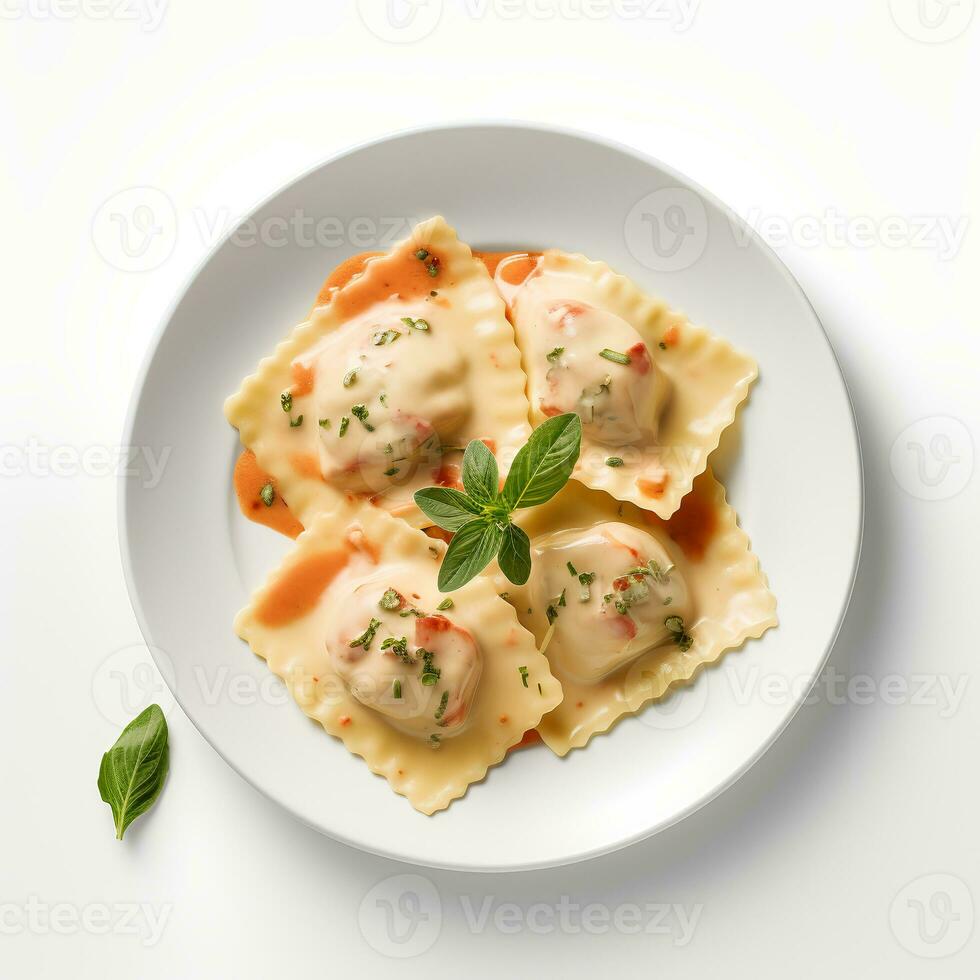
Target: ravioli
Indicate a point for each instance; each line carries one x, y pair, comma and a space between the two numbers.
429, 690
378, 392
625, 604
654, 391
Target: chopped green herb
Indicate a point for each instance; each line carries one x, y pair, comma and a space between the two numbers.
433, 269
443, 702
585, 581
350, 377
435, 741
523, 672
446, 603
571, 569
668, 600
614, 355
390, 600
383, 337
324, 423
296, 422
675, 626
391, 471
344, 422
555, 353
286, 400
411, 611
389, 449
399, 647
421, 255
418, 324
614, 461
396, 689
364, 640
383, 398
361, 413
268, 494
662, 345
430, 673
552, 611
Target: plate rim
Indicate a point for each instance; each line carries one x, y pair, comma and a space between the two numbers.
124, 488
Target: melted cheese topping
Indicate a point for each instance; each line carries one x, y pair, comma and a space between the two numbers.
653, 390
624, 591
349, 579
619, 403
379, 391
411, 394
612, 659
421, 672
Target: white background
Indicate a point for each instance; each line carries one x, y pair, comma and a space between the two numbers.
847, 134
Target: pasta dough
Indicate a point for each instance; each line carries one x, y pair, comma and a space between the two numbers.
376, 395
625, 604
653, 390
430, 694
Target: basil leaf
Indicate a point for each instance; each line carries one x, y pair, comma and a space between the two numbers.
515, 555
480, 476
542, 467
133, 771
449, 508
470, 551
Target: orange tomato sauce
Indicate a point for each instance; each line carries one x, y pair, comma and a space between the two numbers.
249, 479
406, 276
299, 588
694, 523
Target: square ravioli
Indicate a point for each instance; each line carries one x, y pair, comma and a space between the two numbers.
654, 391
378, 392
625, 604
430, 690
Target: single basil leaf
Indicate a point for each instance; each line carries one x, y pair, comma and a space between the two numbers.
480, 476
449, 508
542, 467
515, 555
134, 770
473, 548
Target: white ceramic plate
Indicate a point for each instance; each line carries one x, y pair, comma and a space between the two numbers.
792, 468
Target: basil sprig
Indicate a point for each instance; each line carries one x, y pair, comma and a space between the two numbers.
134, 770
480, 517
